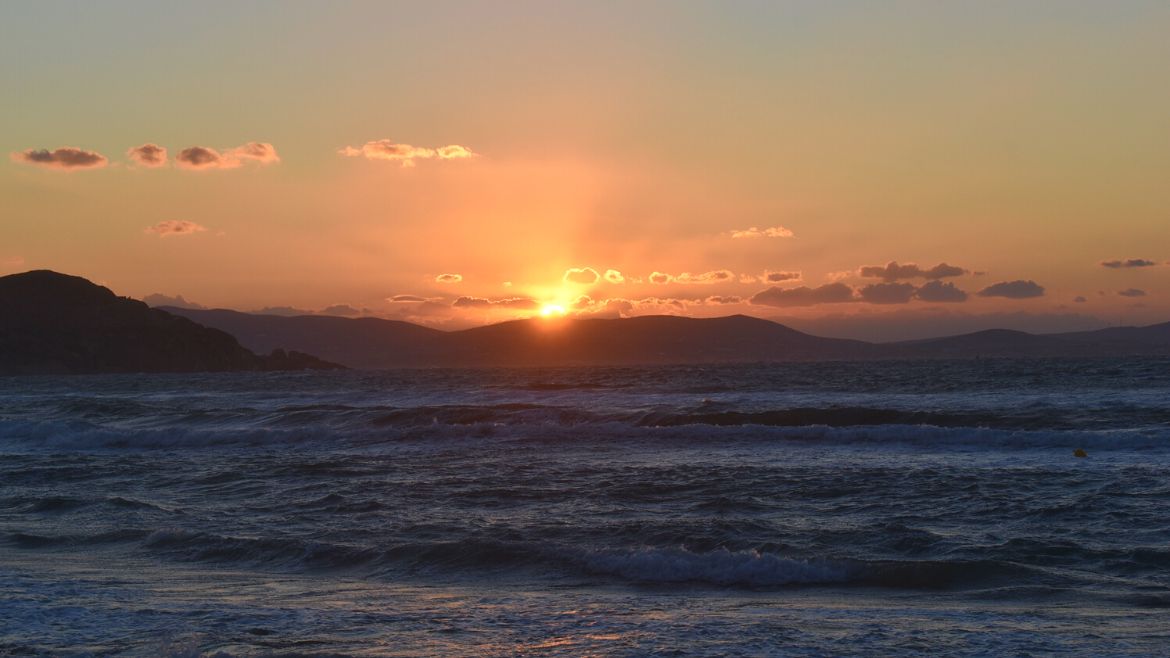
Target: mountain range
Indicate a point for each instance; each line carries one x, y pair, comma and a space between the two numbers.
55, 323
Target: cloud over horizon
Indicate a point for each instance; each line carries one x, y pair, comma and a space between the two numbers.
173, 227
755, 232
830, 293
66, 158
1132, 262
887, 293
937, 291
507, 302
405, 154
892, 271
1018, 289
148, 155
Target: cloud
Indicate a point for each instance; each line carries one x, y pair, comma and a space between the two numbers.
614, 276
830, 293
724, 299
165, 300
202, 158
887, 293
509, 302
754, 232
449, 278
341, 310
705, 278
1013, 290
173, 227
148, 155
1132, 262
286, 311
937, 291
1132, 292
660, 278
777, 277
405, 154
1080, 299
892, 271
66, 158
581, 275
402, 299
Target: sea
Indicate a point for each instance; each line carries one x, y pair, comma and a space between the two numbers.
931, 508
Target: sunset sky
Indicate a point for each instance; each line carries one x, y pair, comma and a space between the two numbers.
900, 166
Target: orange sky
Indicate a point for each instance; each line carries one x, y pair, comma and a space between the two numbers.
470, 162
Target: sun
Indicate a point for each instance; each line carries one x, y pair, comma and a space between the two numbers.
552, 310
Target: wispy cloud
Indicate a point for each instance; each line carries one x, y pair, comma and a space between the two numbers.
755, 232
148, 155
892, 271
405, 299
1132, 262
66, 158
687, 278
1132, 292
1013, 290
509, 302
202, 158
174, 227
830, 293
448, 278
406, 154
581, 275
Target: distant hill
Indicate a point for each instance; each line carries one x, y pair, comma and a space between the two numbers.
376, 343
55, 323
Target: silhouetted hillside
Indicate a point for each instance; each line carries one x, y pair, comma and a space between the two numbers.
55, 323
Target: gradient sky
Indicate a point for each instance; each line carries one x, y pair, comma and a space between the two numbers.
314, 158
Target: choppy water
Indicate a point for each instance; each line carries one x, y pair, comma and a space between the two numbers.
930, 508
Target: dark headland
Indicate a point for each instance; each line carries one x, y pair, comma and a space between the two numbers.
53, 323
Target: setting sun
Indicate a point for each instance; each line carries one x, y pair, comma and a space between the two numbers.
552, 310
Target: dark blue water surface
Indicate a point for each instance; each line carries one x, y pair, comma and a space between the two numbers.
928, 508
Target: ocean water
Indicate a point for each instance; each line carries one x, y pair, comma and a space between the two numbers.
897, 509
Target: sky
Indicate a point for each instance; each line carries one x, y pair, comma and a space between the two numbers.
874, 170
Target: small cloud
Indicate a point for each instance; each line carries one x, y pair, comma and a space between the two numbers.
660, 278
614, 276
748, 278
405, 154
705, 278
1132, 292
165, 300
1080, 299
509, 302
937, 291
830, 293
173, 227
201, 158
507, 284
887, 293
754, 232
402, 299
1013, 290
66, 158
449, 278
585, 276
892, 271
148, 155
777, 277
1132, 262
724, 299
341, 310
582, 302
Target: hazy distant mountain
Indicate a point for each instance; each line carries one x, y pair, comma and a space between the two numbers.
376, 343
55, 323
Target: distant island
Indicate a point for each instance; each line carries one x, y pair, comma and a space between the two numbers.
53, 323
